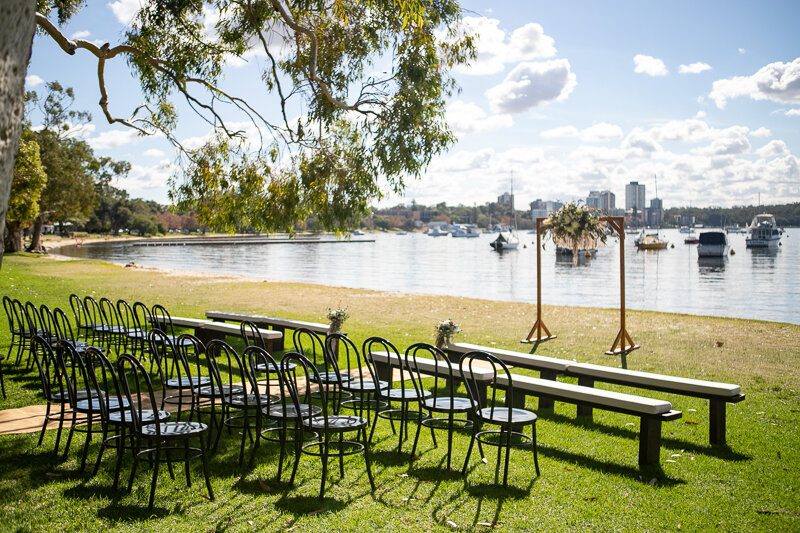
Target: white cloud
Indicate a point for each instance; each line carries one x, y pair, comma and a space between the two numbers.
83, 34
793, 112
742, 51
113, 139
125, 10
495, 48
772, 149
531, 84
779, 82
154, 152
599, 132
700, 114
33, 80
467, 117
761, 132
152, 177
649, 65
640, 144
694, 68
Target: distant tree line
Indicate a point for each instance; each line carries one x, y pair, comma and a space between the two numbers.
58, 180
406, 216
785, 214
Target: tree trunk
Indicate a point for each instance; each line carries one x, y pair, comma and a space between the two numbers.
12, 241
17, 24
36, 235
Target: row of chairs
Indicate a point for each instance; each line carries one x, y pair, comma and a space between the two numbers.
334, 372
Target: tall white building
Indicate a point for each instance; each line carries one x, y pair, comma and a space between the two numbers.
634, 197
540, 209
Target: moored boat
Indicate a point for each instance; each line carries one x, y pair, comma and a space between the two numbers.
713, 244
506, 240
465, 230
763, 232
650, 241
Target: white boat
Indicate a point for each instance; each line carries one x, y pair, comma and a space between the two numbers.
507, 240
357, 232
735, 229
650, 241
686, 229
437, 232
712, 244
465, 230
763, 232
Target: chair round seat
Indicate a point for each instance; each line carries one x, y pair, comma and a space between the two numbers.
274, 368
93, 405
336, 423
407, 395
173, 429
213, 391
250, 400
457, 404
500, 416
147, 415
188, 382
358, 385
330, 377
278, 411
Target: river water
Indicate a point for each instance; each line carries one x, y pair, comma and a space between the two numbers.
750, 284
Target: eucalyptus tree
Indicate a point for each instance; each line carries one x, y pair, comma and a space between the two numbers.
26, 190
358, 88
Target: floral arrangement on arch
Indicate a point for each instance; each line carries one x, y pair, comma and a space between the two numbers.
575, 227
337, 318
445, 330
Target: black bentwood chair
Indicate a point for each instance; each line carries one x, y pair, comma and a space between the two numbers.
498, 410
312, 347
363, 385
443, 405
54, 386
401, 399
325, 425
158, 440
179, 382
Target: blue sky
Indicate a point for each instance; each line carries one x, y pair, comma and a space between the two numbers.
566, 96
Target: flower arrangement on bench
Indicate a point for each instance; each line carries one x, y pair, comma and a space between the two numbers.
445, 331
337, 318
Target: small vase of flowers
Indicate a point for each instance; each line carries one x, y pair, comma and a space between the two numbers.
337, 318
445, 331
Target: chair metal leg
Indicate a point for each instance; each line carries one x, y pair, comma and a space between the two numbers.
204, 459
324, 467
186, 462
155, 476
508, 455
449, 437
535, 455
341, 456
368, 462
44, 427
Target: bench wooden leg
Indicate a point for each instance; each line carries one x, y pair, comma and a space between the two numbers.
716, 422
518, 402
585, 410
547, 403
278, 345
649, 440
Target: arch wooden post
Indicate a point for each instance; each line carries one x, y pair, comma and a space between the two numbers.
623, 344
538, 327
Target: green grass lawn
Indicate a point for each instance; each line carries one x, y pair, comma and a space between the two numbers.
589, 473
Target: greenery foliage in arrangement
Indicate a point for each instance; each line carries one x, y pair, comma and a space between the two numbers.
445, 330
337, 318
575, 227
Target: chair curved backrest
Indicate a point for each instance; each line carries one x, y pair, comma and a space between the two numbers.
309, 344
63, 328
230, 375
299, 373
259, 361
79, 313
251, 335
34, 319
377, 344
51, 371
8, 306
142, 317
169, 361
352, 361
125, 316
162, 319
48, 324
109, 312
442, 371
192, 350
478, 360
137, 388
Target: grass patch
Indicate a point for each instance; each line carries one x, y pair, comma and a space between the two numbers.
590, 479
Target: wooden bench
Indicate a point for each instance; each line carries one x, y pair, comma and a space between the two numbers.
718, 394
651, 412
274, 322
548, 367
205, 330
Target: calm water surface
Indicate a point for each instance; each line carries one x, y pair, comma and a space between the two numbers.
750, 284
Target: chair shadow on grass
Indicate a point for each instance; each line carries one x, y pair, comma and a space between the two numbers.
719, 451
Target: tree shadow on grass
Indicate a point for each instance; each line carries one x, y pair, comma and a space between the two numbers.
309, 505
721, 452
496, 491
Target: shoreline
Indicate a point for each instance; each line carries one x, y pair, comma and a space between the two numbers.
221, 277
